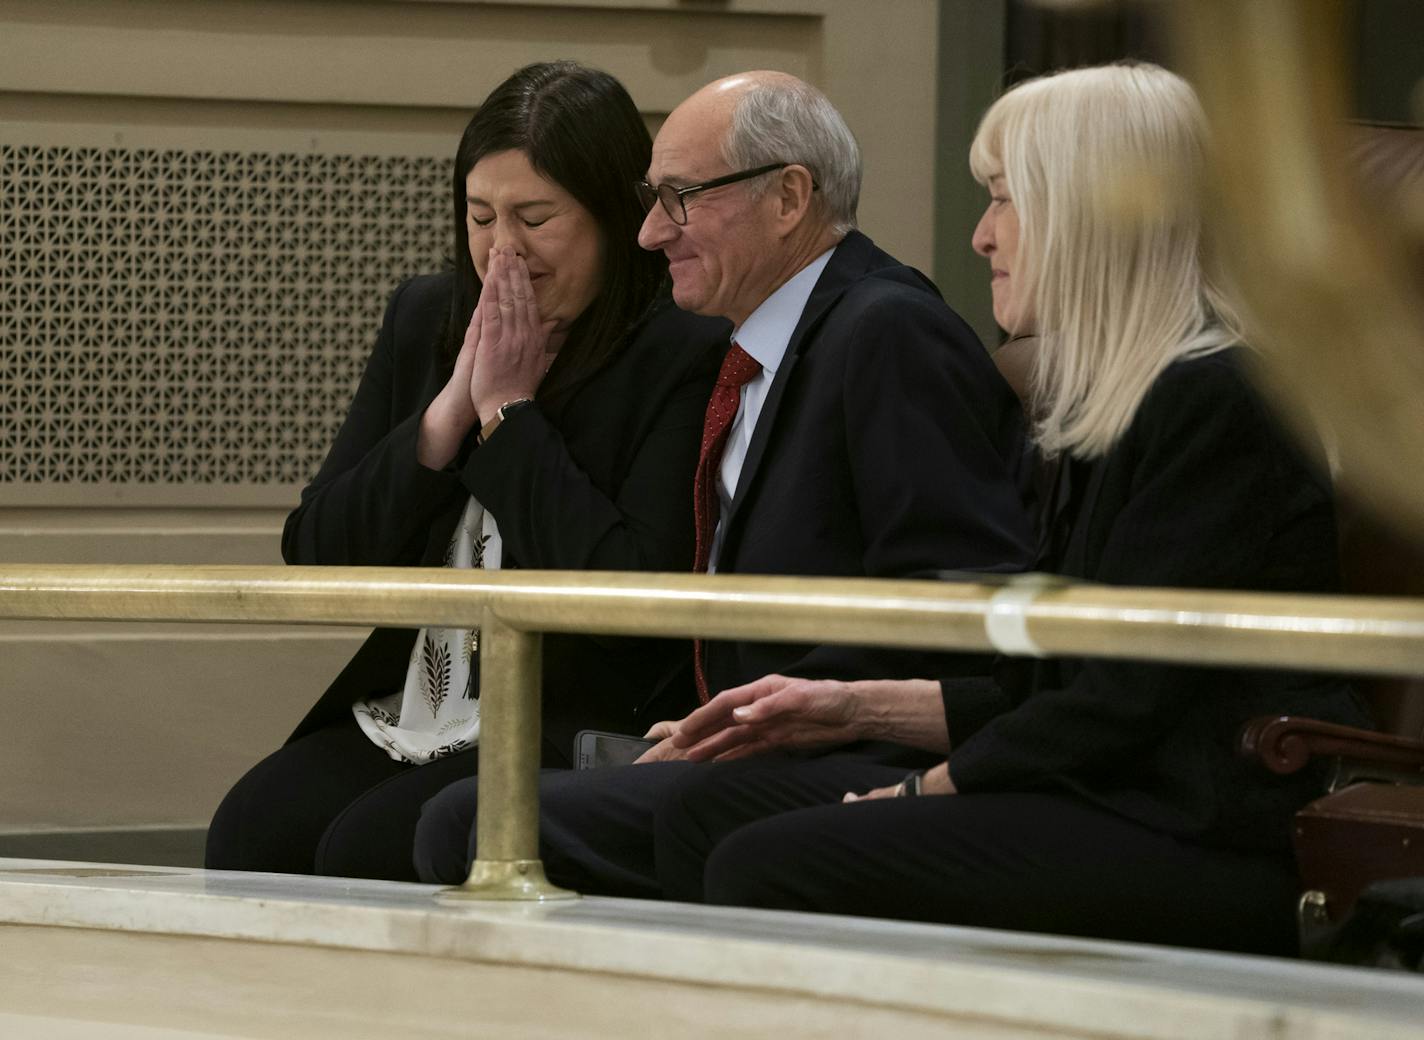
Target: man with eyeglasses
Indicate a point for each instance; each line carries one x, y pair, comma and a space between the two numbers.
858, 429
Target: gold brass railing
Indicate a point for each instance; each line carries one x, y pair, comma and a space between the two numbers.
513, 609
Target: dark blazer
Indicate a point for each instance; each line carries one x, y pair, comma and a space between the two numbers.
885, 448
1202, 491
600, 481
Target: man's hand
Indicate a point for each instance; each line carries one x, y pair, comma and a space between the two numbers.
664, 750
934, 781
775, 712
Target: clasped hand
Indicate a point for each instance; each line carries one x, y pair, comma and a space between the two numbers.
510, 356
503, 358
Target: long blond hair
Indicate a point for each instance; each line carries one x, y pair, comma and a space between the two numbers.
1103, 168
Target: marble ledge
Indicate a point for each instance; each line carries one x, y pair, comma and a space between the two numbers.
1023, 981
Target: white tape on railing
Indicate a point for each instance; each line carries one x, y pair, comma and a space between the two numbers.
1006, 622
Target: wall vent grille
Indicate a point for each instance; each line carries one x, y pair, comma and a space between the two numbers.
180, 317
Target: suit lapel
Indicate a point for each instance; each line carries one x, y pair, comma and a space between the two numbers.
847, 263
757, 448
442, 530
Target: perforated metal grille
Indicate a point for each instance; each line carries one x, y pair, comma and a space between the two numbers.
195, 317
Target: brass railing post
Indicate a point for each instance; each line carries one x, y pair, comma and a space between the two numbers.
507, 862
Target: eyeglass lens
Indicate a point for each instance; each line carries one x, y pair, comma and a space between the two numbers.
665, 194
672, 202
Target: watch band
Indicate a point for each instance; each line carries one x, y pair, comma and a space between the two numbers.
913, 785
500, 414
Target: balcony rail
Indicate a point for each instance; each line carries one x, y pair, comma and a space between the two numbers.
1035, 615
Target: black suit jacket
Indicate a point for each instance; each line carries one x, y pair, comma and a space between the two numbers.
602, 481
1202, 491
885, 448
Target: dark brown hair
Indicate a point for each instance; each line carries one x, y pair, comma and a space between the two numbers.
579, 128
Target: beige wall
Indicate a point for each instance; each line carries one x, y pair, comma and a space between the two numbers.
417, 68
307, 82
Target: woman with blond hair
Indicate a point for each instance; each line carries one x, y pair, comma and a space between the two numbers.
1078, 796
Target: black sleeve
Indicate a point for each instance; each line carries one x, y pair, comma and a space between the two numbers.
372, 503
551, 515
932, 436
1210, 480
970, 702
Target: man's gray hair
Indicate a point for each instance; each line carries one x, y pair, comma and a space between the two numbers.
786, 120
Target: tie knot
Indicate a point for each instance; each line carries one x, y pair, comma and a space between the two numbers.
738, 368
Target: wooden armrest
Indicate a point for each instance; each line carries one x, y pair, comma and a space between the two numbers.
1285, 743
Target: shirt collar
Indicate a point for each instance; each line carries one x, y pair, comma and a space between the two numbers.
766, 333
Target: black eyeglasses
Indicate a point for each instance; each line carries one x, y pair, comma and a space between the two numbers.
673, 198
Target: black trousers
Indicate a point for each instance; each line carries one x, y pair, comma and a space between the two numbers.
595, 829
597, 826
1039, 862
772, 832
330, 803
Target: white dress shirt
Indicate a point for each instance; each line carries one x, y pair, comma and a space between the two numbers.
765, 335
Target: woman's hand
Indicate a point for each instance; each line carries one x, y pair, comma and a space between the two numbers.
451, 416
512, 356
934, 781
774, 712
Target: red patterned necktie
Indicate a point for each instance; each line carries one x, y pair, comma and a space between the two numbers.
738, 369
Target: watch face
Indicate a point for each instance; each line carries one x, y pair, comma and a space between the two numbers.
504, 410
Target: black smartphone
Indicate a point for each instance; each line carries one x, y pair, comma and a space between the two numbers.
595, 748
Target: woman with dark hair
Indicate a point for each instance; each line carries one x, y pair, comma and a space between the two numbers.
538, 406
